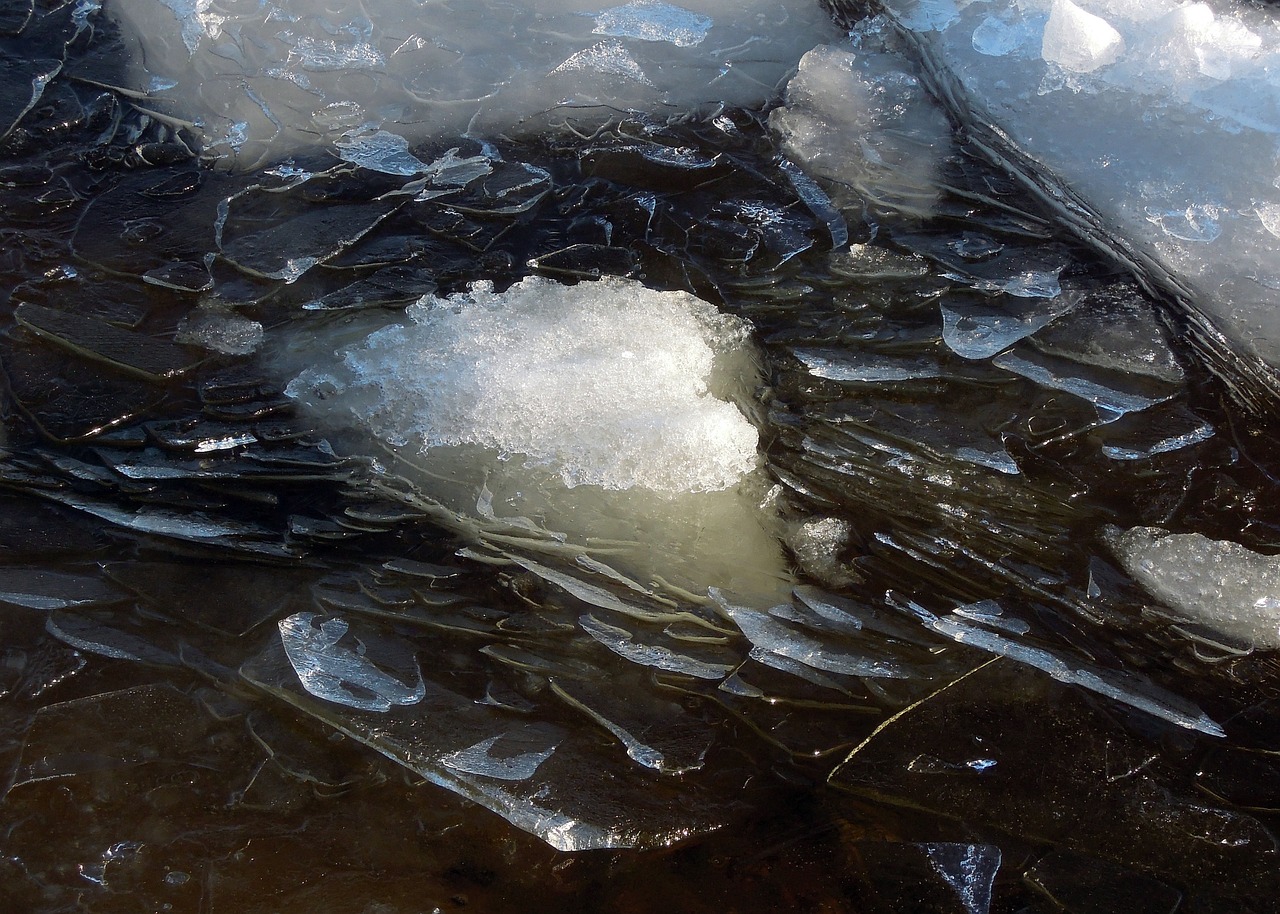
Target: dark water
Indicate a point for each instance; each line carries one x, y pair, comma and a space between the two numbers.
164, 507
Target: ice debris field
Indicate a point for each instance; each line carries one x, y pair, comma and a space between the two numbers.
598, 410
615, 395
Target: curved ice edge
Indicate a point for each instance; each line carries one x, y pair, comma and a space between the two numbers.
1252, 382
1156, 702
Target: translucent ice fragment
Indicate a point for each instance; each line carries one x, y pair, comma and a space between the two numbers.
788, 640
1112, 402
863, 120
1197, 222
610, 58
1217, 583
513, 756
979, 330
866, 367
1122, 687
970, 869
622, 643
220, 330
997, 36
336, 667
1078, 40
652, 20
382, 151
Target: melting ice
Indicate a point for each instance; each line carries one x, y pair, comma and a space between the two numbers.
604, 411
261, 80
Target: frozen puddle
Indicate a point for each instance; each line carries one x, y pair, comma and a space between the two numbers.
601, 422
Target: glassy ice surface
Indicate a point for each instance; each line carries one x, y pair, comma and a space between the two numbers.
1171, 92
809, 523
261, 81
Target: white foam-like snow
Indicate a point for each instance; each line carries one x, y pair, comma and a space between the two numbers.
262, 78
607, 383
1217, 583
603, 412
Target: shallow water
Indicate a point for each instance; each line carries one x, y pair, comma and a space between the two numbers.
249, 665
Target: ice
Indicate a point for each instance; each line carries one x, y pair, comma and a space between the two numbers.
605, 409
621, 642
862, 119
220, 330
1078, 40
970, 869
651, 20
344, 673
1216, 583
1126, 688
263, 82
979, 329
1125, 126
866, 367
607, 383
509, 764
1111, 401
380, 150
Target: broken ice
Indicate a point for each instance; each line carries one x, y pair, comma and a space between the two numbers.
1175, 173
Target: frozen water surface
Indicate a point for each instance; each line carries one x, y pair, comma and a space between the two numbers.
571, 438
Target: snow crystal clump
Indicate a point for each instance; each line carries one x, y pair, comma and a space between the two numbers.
1219, 584
606, 383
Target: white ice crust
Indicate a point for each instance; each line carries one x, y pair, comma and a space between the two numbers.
1162, 116
605, 383
1219, 584
262, 78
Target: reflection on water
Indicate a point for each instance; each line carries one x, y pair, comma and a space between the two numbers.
250, 662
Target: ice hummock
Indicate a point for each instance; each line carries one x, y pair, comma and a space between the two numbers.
601, 411
1150, 127
258, 81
